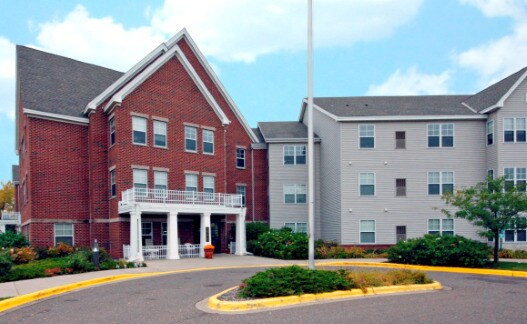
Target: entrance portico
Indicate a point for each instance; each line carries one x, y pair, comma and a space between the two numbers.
137, 201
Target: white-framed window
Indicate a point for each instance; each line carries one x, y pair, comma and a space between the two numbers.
242, 190
191, 182
490, 132
367, 231
111, 126
297, 227
160, 133
160, 183
140, 181
367, 136
518, 235
294, 154
367, 184
295, 194
240, 158
208, 141
440, 135
64, 233
113, 185
191, 139
440, 183
139, 130
208, 187
147, 233
515, 177
443, 226
514, 130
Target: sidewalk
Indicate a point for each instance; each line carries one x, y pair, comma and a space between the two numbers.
22, 287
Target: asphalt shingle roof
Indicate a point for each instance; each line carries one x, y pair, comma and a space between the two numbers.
491, 95
283, 130
16, 173
56, 84
394, 106
258, 134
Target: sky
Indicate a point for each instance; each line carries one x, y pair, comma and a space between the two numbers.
258, 47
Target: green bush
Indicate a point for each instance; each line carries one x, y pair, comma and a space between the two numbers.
5, 264
446, 250
79, 262
35, 269
11, 239
292, 280
282, 244
23, 255
253, 230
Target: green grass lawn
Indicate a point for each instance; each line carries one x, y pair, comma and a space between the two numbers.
514, 266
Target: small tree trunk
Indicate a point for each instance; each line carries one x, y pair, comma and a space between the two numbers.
496, 246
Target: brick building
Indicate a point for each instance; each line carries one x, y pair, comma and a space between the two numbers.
157, 156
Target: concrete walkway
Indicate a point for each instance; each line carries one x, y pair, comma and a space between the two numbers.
23, 287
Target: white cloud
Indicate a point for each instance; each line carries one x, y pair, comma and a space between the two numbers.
412, 82
500, 57
241, 30
7, 78
97, 40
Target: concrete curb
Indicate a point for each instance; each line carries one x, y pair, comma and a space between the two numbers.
241, 306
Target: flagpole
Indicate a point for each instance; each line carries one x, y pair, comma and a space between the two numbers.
310, 139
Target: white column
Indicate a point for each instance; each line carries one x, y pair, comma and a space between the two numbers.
204, 233
136, 244
241, 248
172, 237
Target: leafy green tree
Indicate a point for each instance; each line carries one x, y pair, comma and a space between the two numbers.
7, 193
495, 205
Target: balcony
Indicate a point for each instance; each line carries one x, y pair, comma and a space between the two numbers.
190, 200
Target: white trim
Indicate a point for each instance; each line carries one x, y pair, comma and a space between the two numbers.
374, 231
441, 230
441, 136
294, 155
514, 131
440, 182
57, 117
191, 172
163, 119
359, 136
501, 102
374, 184
154, 121
470, 108
295, 186
72, 232
487, 133
161, 169
142, 167
288, 140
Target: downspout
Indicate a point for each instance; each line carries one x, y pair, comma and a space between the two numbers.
252, 182
224, 158
89, 180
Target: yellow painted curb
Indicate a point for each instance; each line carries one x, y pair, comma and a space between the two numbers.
238, 306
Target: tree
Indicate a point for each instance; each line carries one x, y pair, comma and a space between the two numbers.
7, 192
489, 206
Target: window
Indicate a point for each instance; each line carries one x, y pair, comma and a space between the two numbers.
113, 186
208, 141
64, 233
191, 138
440, 135
440, 183
294, 154
297, 227
490, 175
191, 182
441, 226
367, 184
160, 183
515, 177
208, 187
367, 136
400, 140
160, 133
240, 158
514, 130
112, 131
139, 127
295, 194
242, 190
490, 132
367, 231
400, 187
140, 181
147, 234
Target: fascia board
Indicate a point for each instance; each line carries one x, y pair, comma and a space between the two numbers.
501, 102
56, 117
410, 118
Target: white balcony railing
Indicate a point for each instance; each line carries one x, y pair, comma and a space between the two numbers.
160, 196
11, 216
157, 252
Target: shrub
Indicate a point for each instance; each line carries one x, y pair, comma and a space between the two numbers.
11, 239
23, 255
513, 254
282, 244
253, 230
292, 280
61, 249
42, 252
5, 264
79, 262
446, 250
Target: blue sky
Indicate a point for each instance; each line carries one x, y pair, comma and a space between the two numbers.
258, 47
